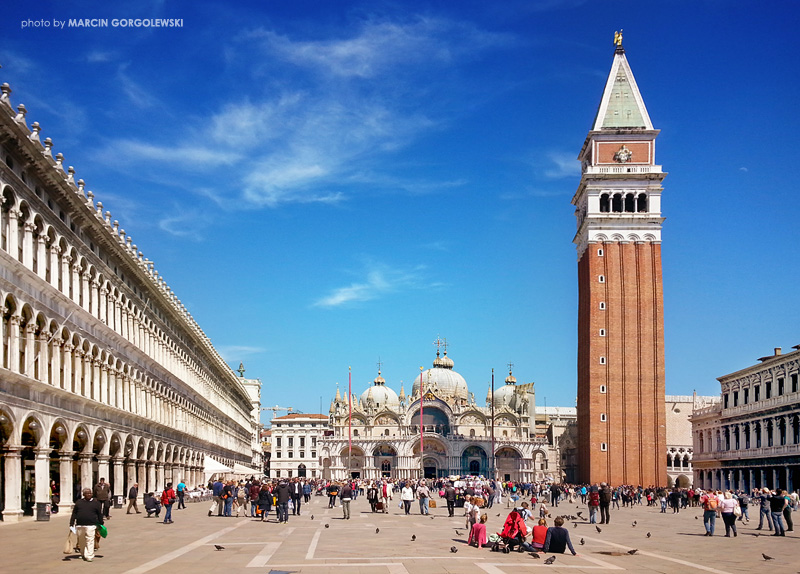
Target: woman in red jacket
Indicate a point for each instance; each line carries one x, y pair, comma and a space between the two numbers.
167, 500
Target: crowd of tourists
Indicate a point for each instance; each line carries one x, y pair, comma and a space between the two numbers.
531, 506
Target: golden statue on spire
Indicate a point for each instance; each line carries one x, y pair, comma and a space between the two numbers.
618, 38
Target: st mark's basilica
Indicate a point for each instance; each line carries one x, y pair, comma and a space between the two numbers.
381, 437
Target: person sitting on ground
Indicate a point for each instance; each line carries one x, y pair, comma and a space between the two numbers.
477, 535
514, 532
539, 535
557, 540
152, 505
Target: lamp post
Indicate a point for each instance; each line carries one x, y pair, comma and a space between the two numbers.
421, 428
492, 469
349, 424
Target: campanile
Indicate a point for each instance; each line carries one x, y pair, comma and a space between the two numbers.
621, 417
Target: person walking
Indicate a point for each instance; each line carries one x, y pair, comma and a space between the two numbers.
255, 490
133, 494
386, 495
450, 498
167, 500
181, 490
777, 503
333, 492
423, 494
763, 499
594, 503
727, 508
264, 501
283, 496
347, 496
787, 511
217, 502
605, 503
55, 498
87, 514
407, 496
102, 493
710, 503
296, 492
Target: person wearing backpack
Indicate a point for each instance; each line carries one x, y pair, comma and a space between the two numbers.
594, 504
710, 503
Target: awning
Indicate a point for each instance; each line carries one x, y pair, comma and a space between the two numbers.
245, 471
211, 466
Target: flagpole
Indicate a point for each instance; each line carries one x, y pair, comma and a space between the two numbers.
421, 430
493, 457
349, 423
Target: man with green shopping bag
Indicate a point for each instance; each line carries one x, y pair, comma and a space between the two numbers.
87, 515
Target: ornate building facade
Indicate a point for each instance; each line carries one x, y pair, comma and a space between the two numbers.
387, 439
750, 438
621, 387
103, 371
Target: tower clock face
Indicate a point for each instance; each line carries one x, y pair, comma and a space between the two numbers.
624, 155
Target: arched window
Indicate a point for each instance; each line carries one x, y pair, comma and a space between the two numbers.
471, 432
641, 203
605, 203
616, 203
630, 203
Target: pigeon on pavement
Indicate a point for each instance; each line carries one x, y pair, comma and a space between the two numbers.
535, 555
648, 535
453, 549
218, 547
583, 542
413, 537
550, 560
633, 551
377, 530
598, 529
327, 526
767, 557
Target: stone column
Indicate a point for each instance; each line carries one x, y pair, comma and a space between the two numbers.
13, 343
85, 286
85, 461
12, 239
103, 467
131, 465
54, 265
27, 245
152, 485
12, 459
44, 357
75, 282
42, 475
67, 382
29, 368
159, 475
66, 266
119, 475
141, 475
103, 383
55, 362
65, 480
41, 257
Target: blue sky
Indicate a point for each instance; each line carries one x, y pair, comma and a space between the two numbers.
327, 184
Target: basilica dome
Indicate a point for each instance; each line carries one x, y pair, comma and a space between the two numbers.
504, 394
380, 394
443, 380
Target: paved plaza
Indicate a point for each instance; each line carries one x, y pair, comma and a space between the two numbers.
136, 545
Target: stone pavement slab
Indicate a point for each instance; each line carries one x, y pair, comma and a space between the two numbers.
138, 545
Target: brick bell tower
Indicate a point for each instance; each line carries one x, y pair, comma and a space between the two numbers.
621, 417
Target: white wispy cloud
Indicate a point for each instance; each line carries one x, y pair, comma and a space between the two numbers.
562, 164
186, 224
320, 132
237, 353
379, 280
